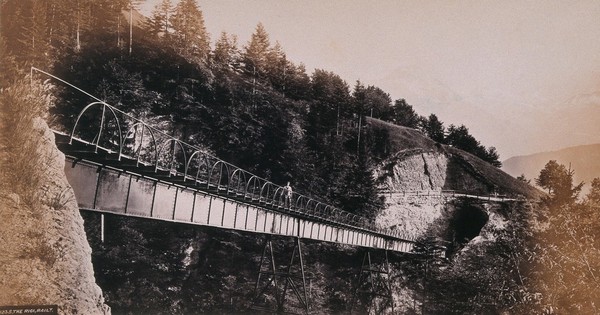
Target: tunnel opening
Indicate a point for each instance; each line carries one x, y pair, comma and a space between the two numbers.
466, 224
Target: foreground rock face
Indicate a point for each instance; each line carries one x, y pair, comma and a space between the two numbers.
412, 183
46, 258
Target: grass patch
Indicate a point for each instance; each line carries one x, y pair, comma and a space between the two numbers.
23, 164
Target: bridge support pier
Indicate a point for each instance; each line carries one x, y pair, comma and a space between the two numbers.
374, 285
102, 228
275, 281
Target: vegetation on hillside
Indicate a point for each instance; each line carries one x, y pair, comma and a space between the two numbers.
564, 256
545, 260
250, 104
254, 107
484, 276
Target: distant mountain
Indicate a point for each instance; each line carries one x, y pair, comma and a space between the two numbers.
584, 160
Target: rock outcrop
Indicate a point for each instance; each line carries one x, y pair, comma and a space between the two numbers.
415, 172
415, 204
46, 259
420, 171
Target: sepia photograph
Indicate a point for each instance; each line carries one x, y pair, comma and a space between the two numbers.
299, 157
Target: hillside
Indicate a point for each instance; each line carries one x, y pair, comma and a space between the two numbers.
415, 162
583, 160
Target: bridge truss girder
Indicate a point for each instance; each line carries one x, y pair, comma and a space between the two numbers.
374, 285
276, 277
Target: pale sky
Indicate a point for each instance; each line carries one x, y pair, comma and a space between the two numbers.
523, 76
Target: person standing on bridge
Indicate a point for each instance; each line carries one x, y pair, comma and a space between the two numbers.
287, 191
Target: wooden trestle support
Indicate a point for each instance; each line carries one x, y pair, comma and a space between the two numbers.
271, 278
374, 287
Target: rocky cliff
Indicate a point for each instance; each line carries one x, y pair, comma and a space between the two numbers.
46, 259
415, 171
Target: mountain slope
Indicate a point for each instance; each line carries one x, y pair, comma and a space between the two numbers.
583, 160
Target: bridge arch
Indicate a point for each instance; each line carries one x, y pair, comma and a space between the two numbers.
356, 219
311, 205
266, 191
327, 212
217, 181
139, 151
102, 120
346, 217
336, 214
253, 185
320, 209
237, 182
301, 203
278, 197
202, 159
162, 147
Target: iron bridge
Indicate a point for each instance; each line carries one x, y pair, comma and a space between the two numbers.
119, 164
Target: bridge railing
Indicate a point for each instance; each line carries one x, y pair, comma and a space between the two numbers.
451, 193
120, 136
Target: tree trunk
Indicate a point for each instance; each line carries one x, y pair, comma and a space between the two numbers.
130, 27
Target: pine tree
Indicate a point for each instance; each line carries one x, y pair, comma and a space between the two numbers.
359, 98
102, 15
403, 114
460, 137
434, 128
80, 9
226, 52
14, 16
297, 81
256, 53
160, 21
60, 23
189, 31
277, 67
493, 157
35, 41
593, 196
95, 18
378, 103
328, 87
331, 96
559, 182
